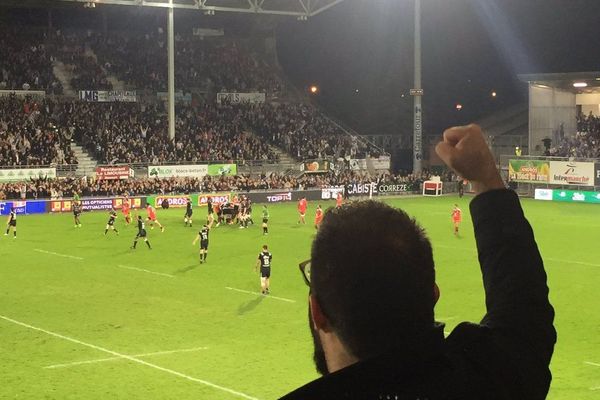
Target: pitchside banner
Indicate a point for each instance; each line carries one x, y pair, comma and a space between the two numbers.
180, 200
376, 189
597, 174
108, 96
93, 204
236, 98
568, 196
529, 171
23, 207
25, 174
222, 169
316, 167
572, 173
116, 172
170, 171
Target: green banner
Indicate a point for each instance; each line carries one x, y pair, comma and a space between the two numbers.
575, 196
528, 170
222, 169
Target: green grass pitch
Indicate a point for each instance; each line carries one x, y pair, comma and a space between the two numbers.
109, 322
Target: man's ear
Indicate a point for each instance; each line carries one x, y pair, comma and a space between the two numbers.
319, 320
436, 293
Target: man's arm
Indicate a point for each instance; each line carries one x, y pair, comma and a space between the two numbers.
518, 311
196, 240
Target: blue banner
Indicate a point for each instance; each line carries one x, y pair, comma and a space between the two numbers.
23, 207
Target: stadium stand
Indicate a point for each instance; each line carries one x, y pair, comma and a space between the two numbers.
584, 144
59, 188
28, 135
25, 62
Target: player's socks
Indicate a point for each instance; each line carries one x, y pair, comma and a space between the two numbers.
15, 234
205, 254
148, 243
105, 231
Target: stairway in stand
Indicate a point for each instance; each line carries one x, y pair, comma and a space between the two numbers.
86, 165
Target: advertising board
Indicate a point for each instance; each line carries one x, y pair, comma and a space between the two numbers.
114, 172
572, 173
529, 171
172, 171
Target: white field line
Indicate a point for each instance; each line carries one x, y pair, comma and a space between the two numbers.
260, 294
58, 254
591, 363
156, 353
131, 358
146, 270
571, 262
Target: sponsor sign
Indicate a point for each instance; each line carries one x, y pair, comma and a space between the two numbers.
23, 93
597, 174
528, 171
279, 197
316, 167
20, 207
572, 173
94, 204
116, 172
575, 196
179, 96
170, 171
332, 192
361, 189
236, 98
219, 198
25, 174
108, 96
222, 169
174, 201
543, 194
392, 188
380, 163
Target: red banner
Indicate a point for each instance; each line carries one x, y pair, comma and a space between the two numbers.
117, 172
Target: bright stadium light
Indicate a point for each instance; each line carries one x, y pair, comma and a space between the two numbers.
459, 107
314, 89
580, 84
494, 94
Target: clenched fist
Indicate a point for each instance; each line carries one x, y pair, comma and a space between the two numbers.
465, 151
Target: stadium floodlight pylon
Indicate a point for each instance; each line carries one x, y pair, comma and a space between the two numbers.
302, 9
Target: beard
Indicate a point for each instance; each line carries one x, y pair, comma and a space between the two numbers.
318, 353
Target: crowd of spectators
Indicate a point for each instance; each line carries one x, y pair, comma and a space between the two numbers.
584, 144
28, 135
86, 187
304, 132
218, 63
25, 62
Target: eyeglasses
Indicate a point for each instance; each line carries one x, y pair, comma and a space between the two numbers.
305, 269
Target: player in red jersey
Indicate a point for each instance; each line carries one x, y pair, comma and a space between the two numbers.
318, 217
302, 205
456, 218
126, 208
339, 200
152, 218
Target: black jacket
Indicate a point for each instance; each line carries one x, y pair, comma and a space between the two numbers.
505, 356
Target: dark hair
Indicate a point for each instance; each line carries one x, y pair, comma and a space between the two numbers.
265, 247
372, 274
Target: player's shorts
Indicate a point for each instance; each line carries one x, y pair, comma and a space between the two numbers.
110, 222
77, 213
204, 245
152, 218
189, 214
302, 214
265, 220
12, 223
456, 221
265, 272
141, 234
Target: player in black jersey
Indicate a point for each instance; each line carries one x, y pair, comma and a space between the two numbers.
210, 218
203, 238
77, 213
12, 223
111, 221
141, 233
187, 219
243, 216
264, 261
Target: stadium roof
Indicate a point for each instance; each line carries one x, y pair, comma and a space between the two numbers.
566, 80
301, 9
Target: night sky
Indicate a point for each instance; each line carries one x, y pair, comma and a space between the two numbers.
470, 48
